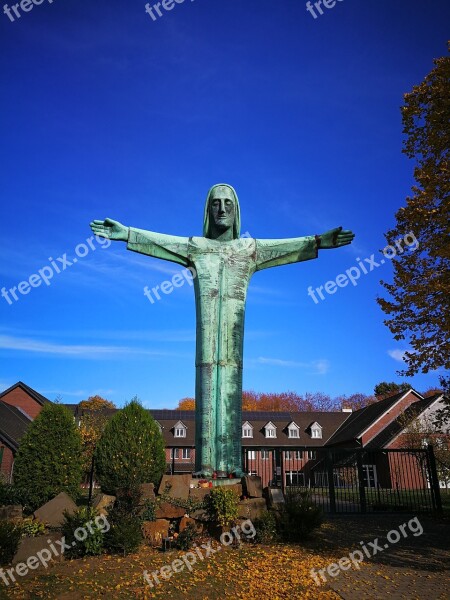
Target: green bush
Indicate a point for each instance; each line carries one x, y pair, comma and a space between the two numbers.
187, 537
49, 457
10, 535
299, 516
9, 494
149, 511
130, 450
88, 524
32, 527
222, 505
266, 528
125, 534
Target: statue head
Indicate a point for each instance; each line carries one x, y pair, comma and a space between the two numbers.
222, 212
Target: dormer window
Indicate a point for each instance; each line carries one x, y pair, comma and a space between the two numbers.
180, 430
316, 431
247, 430
293, 430
270, 430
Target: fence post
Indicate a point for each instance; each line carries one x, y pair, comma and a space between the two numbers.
362, 489
331, 490
434, 480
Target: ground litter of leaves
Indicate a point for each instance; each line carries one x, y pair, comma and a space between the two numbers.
251, 572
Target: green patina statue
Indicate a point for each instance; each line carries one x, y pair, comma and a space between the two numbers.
223, 264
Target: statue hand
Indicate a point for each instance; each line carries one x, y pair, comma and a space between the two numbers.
110, 229
335, 238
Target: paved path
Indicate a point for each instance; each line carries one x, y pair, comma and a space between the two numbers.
414, 568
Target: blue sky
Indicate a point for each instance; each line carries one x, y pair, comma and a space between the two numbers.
107, 113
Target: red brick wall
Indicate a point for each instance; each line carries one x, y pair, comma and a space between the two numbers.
387, 418
18, 397
7, 462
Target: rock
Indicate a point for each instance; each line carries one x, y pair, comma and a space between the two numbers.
176, 486
236, 487
253, 486
102, 502
155, 531
12, 512
199, 494
147, 491
252, 508
168, 511
51, 513
186, 521
29, 547
276, 498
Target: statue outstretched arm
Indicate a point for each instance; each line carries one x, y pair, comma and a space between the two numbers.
273, 253
159, 245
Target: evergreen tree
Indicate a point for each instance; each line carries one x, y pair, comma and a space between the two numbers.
130, 450
49, 459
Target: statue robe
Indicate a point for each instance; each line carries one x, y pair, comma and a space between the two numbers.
222, 274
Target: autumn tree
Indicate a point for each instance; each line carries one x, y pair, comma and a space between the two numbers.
186, 404
93, 418
355, 401
418, 308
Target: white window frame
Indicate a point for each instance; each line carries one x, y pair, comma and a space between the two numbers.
312, 455
293, 431
270, 430
251, 454
185, 453
174, 453
247, 430
264, 454
179, 430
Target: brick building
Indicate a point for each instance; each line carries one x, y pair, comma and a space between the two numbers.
288, 444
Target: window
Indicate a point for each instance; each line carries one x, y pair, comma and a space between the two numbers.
186, 453
287, 455
264, 454
247, 430
295, 478
316, 431
312, 454
180, 430
271, 430
293, 455
174, 453
299, 454
251, 455
293, 430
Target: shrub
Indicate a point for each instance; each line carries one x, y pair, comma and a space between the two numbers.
130, 450
88, 524
49, 457
9, 494
222, 505
9, 541
266, 528
125, 534
149, 511
32, 527
299, 516
187, 537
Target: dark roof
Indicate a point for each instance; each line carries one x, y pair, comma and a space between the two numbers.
361, 419
397, 426
13, 424
40, 399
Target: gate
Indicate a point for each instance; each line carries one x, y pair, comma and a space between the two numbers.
352, 480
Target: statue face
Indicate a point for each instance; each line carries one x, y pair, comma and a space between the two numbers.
222, 208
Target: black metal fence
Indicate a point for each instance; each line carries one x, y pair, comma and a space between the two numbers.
354, 480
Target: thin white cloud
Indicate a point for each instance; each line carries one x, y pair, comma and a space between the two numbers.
317, 367
398, 355
74, 350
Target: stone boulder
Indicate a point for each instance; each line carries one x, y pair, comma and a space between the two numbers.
187, 521
199, 494
103, 502
147, 492
275, 497
30, 546
12, 512
155, 531
52, 513
168, 511
252, 509
253, 486
176, 486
